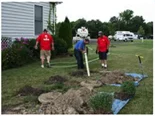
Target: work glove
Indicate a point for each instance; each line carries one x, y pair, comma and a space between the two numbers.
107, 50
96, 52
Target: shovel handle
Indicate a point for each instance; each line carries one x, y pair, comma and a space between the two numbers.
139, 59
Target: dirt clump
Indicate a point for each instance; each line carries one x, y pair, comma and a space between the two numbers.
115, 77
48, 97
28, 90
71, 102
90, 84
55, 79
72, 83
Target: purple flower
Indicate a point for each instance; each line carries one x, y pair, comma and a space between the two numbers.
25, 42
22, 39
17, 39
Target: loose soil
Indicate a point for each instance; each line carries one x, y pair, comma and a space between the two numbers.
115, 77
72, 83
122, 95
71, 102
56, 79
28, 90
74, 101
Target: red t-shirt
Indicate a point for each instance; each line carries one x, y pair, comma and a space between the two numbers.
45, 41
103, 43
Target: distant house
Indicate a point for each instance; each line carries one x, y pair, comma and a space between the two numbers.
26, 19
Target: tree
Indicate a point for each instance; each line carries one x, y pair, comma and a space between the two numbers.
148, 27
65, 32
141, 31
113, 20
136, 22
126, 16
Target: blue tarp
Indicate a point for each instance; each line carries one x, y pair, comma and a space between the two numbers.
134, 75
118, 105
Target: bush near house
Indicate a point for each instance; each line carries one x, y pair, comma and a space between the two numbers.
6, 42
60, 46
22, 52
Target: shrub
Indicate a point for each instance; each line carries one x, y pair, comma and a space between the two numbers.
71, 51
6, 42
128, 87
65, 32
18, 54
60, 46
35, 53
101, 102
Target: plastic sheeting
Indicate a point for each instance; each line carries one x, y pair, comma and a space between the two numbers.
118, 105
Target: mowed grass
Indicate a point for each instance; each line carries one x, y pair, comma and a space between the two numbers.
122, 57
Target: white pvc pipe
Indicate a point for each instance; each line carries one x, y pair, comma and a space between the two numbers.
87, 65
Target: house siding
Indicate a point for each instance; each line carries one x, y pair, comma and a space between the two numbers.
18, 18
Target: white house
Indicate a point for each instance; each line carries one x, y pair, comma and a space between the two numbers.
26, 19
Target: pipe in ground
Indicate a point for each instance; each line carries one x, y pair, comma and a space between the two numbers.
87, 65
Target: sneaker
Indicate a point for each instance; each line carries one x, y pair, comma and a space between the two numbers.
102, 65
105, 67
42, 66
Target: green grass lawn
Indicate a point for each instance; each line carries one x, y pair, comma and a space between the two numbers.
122, 57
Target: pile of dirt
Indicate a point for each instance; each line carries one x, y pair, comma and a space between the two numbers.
90, 84
55, 79
115, 77
72, 83
28, 90
71, 102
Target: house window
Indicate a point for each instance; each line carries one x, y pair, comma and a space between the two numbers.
38, 19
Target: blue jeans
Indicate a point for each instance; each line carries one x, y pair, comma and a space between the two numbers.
79, 57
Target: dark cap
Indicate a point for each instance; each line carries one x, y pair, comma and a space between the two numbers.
45, 30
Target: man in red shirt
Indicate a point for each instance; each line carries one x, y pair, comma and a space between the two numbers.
45, 40
102, 48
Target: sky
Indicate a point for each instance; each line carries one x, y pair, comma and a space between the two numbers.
103, 9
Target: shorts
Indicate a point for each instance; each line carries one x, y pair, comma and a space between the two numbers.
45, 53
102, 55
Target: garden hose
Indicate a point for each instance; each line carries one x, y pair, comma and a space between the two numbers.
69, 66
